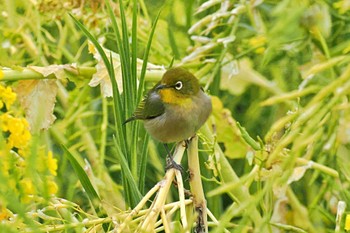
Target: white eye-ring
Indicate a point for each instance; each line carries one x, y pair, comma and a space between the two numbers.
178, 85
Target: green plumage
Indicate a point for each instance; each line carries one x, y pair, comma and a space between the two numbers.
150, 107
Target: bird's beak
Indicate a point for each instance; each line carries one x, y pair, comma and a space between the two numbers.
161, 86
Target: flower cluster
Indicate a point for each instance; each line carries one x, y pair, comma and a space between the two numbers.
27, 174
7, 97
18, 130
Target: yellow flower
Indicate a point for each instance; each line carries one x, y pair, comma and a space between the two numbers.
258, 42
28, 190
52, 164
52, 187
7, 96
347, 222
27, 186
4, 122
19, 131
4, 213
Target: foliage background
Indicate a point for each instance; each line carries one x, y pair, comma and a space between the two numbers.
279, 68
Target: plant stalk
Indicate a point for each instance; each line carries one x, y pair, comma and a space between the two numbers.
199, 201
158, 204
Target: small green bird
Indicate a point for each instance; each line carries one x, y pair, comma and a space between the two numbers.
174, 109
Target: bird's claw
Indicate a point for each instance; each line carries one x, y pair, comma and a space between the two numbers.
188, 141
170, 163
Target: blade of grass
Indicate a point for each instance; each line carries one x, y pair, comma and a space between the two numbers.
135, 161
121, 116
134, 51
126, 49
135, 196
132, 88
94, 198
123, 48
124, 52
145, 59
83, 178
143, 164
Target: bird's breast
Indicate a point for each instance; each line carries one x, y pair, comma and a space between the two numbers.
180, 121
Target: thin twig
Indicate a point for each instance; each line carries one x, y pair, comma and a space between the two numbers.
138, 207
181, 189
165, 221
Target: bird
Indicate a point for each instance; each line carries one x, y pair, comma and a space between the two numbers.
174, 109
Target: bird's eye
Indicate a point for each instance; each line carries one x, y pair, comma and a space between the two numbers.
178, 85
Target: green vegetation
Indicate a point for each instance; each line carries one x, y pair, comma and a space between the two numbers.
273, 157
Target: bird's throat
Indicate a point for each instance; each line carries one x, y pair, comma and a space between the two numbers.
169, 96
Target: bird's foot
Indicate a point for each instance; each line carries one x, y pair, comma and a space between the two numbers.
170, 163
188, 141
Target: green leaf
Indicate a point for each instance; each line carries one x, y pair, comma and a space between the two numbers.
143, 164
84, 179
145, 59
134, 195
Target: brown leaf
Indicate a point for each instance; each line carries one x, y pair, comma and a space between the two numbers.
57, 70
38, 98
298, 173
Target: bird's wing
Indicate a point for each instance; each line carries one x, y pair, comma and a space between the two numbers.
150, 107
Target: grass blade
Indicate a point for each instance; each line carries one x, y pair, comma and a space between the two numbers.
87, 185
143, 164
135, 195
145, 59
122, 113
83, 178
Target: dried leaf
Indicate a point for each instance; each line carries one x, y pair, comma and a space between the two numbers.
280, 210
38, 98
57, 70
298, 173
101, 76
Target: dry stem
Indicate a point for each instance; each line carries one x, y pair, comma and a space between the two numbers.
200, 204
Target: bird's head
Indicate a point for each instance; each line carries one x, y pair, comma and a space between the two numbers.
177, 86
